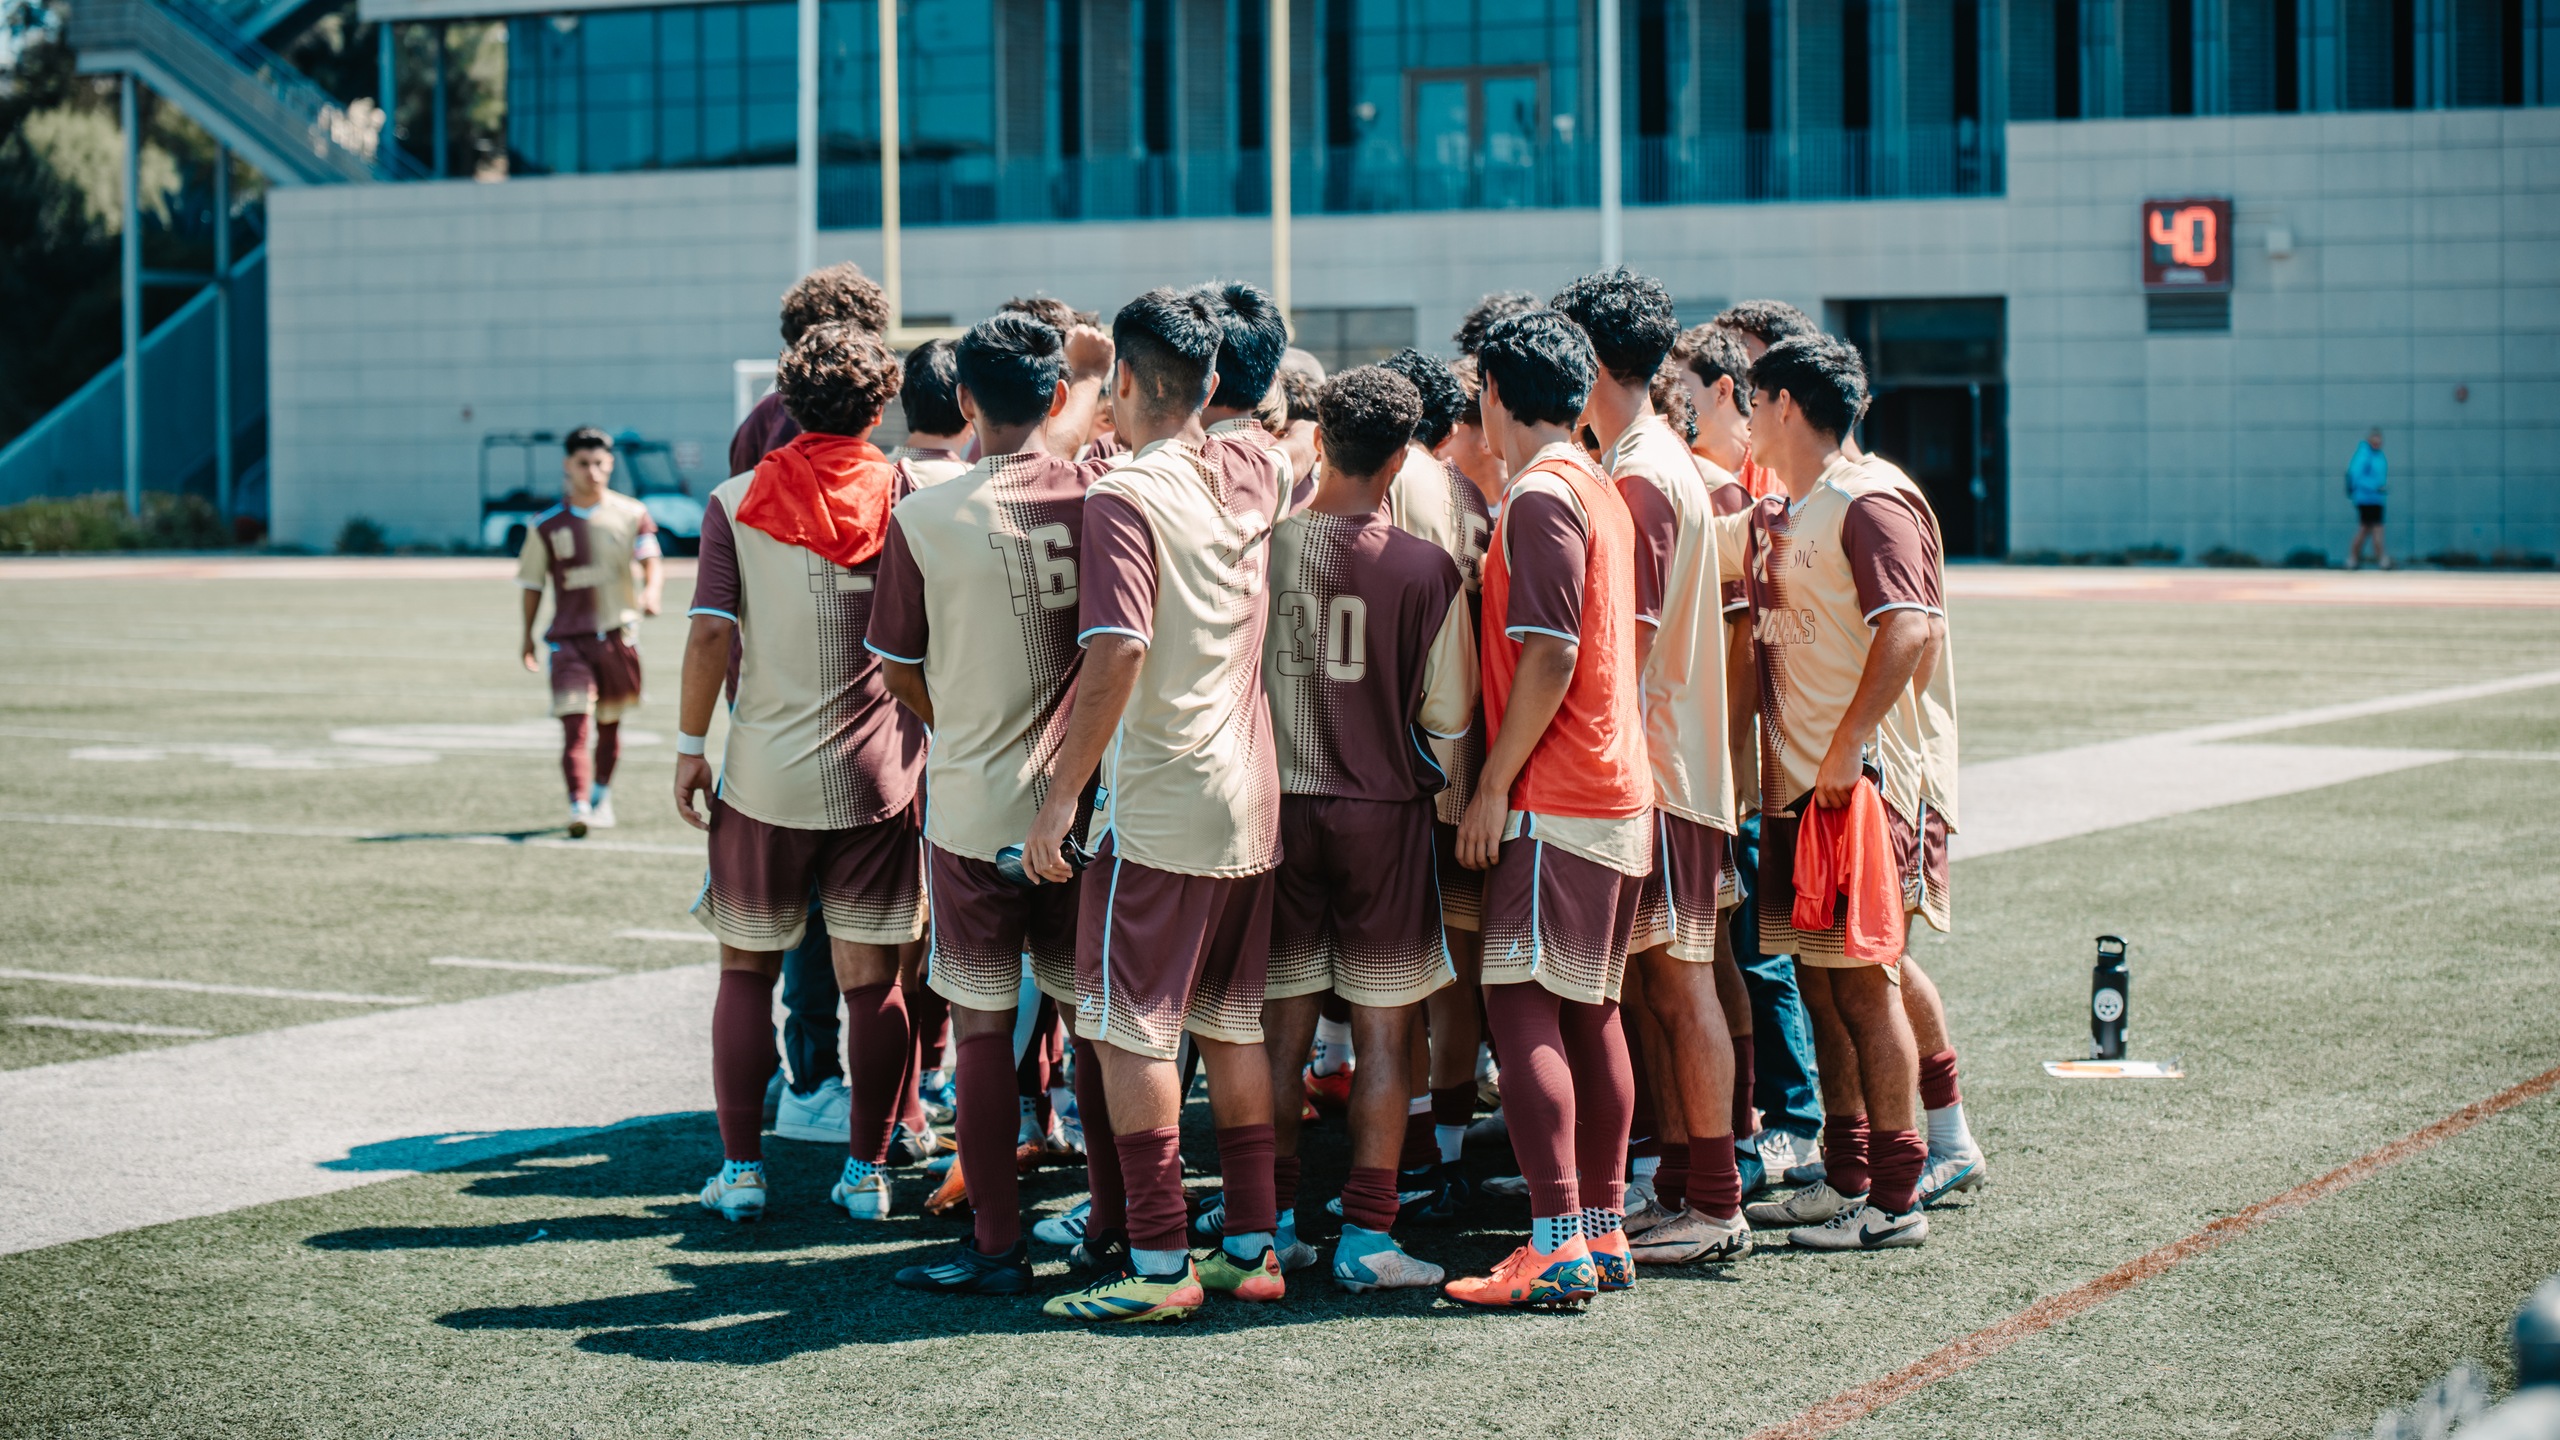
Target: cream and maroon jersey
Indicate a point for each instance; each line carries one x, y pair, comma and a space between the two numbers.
815, 740
978, 586
1371, 657
928, 468
1249, 428
1679, 595
1820, 571
1177, 553
1431, 498
587, 558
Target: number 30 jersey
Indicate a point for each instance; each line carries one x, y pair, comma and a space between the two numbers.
1370, 656
978, 585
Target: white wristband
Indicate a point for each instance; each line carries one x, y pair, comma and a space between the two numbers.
688, 744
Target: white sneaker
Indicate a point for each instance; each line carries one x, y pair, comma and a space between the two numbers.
866, 1199
1386, 1269
1644, 1208
824, 1114
1946, 1175
1783, 1153
1815, 1204
579, 818
1690, 1238
739, 1199
600, 810
1067, 1229
1863, 1227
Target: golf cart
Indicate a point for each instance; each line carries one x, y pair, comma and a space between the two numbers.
527, 464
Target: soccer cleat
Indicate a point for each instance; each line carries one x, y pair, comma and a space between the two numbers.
1947, 1174
1511, 1187
1863, 1227
941, 1098
1690, 1238
1364, 1260
1211, 1222
951, 1197
1449, 1192
1408, 1202
1328, 1092
578, 819
1258, 1280
1815, 1204
968, 1272
824, 1114
1101, 1254
1784, 1153
1644, 1208
1527, 1280
738, 1195
863, 1199
1066, 1229
600, 813
1613, 1266
910, 1147
1125, 1295
1295, 1254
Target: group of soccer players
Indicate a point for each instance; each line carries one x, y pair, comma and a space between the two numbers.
1525, 705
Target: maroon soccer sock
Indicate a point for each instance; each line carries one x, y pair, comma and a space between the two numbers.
575, 765
1245, 1169
742, 1060
1844, 1154
608, 749
1604, 1084
930, 1016
1537, 1092
1285, 1170
1369, 1198
1420, 1150
878, 1048
1899, 1154
986, 1129
1938, 1088
1743, 1055
1101, 1148
908, 1098
1715, 1185
1671, 1182
1151, 1167
1453, 1104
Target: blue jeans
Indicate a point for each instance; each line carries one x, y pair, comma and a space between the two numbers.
810, 1045
1782, 1071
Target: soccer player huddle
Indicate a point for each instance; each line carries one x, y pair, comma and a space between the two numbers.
1584, 707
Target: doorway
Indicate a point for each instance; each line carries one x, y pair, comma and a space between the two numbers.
1937, 371
1475, 137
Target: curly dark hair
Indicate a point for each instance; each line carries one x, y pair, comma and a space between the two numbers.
1304, 392
1767, 321
1824, 374
1489, 312
1713, 351
1470, 378
1671, 402
837, 378
1366, 416
1629, 318
1441, 396
839, 292
1542, 364
1057, 314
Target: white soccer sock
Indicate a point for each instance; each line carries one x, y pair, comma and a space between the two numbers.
1948, 1134
1333, 1045
1644, 1165
1548, 1233
1453, 1142
1159, 1263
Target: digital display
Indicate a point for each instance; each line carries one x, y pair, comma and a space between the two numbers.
2186, 244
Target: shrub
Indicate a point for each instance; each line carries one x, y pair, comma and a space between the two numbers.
2519, 560
360, 536
2303, 557
2154, 553
2455, 560
98, 522
2224, 557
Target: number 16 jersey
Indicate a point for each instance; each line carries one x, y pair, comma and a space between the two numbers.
978, 585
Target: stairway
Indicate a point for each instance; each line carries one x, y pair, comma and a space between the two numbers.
204, 61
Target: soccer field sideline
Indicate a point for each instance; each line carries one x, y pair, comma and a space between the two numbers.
303, 1110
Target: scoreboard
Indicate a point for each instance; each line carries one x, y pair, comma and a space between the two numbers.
2186, 245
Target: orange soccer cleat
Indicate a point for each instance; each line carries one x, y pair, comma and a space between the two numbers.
1613, 1265
1527, 1280
952, 1196
1329, 1092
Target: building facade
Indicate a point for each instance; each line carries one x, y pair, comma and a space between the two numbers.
1967, 188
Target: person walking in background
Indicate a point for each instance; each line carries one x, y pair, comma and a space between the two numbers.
2368, 482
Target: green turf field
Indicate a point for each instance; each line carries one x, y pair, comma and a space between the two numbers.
2335, 967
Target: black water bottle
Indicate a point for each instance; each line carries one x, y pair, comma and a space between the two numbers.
2109, 984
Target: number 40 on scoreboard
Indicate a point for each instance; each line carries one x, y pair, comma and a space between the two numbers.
2186, 244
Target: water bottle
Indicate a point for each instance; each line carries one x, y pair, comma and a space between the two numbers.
2109, 985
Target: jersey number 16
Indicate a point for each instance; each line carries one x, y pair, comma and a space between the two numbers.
1039, 564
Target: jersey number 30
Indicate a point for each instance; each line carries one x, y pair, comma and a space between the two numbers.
1040, 565
1343, 647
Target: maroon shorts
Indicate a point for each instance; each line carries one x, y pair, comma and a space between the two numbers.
1558, 919
982, 926
1355, 905
1678, 908
1461, 889
1919, 853
1159, 953
869, 880
595, 674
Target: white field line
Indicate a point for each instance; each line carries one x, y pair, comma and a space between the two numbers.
201, 987
676, 937
110, 1027
326, 832
2358, 709
536, 967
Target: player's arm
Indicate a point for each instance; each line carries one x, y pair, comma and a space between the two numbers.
1893, 559
1449, 673
1904, 642
652, 584
1070, 428
1741, 686
533, 571
1537, 692
905, 680
1546, 540
1103, 687
899, 629
532, 608
706, 666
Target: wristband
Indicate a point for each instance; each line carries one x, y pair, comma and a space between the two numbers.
689, 744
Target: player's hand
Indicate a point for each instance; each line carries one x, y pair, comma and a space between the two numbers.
1088, 351
531, 657
693, 776
648, 604
1480, 829
1838, 777
1040, 850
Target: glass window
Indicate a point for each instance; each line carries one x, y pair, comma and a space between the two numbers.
647, 88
